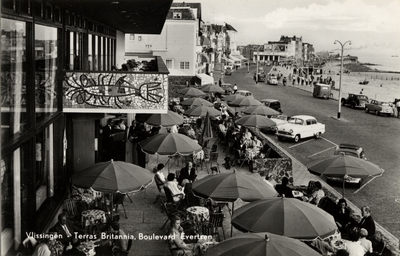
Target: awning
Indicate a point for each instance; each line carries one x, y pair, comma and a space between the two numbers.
234, 58
205, 79
229, 60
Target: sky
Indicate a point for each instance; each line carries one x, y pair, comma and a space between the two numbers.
371, 25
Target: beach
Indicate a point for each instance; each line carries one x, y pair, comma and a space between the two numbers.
381, 86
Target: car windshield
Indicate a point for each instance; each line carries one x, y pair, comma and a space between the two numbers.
296, 121
347, 153
383, 103
362, 97
279, 117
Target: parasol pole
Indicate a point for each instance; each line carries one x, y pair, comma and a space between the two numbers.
233, 208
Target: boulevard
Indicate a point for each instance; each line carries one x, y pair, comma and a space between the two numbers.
377, 135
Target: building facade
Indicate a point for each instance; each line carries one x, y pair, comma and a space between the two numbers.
58, 55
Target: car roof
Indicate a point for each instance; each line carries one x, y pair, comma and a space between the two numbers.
349, 146
242, 91
303, 117
268, 100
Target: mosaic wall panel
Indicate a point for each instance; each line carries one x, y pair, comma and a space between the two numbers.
115, 92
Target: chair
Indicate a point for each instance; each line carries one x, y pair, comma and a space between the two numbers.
29, 244
214, 159
119, 200
210, 228
171, 212
118, 252
170, 197
378, 247
159, 185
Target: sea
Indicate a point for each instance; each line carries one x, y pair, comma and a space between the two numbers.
382, 60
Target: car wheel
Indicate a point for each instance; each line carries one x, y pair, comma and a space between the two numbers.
317, 135
331, 95
366, 110
376, 112
325, 97
296, 138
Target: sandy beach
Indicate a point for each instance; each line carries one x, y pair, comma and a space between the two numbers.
381, 86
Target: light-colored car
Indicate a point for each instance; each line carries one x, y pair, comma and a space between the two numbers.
279, 120
300, 127
244, 93
272, 79
379, 107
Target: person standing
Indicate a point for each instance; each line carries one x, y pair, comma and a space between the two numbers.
398, 108
220, 82
235, 89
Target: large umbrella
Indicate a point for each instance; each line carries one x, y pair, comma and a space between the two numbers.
260, 110
261, 244
245, 102
207, 129
232, 97
255, 121
232, 186
191, 92
169, 119
202, 111
285, 216
113, 176
170, 144
212, 88
342, 166
196, 102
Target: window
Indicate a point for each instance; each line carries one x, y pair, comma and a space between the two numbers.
132, 37
168, 63
139, 38
184, 65
177, 16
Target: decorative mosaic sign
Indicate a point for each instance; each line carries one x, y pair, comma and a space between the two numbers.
115, 92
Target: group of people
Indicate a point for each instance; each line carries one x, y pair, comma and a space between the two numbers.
62, 240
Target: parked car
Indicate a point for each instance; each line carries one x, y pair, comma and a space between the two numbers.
300, 127
272, 103
261, 77
355, 100
350, 150
228, 71
272, 79
279, 120
244, 93
322, 91
379, 107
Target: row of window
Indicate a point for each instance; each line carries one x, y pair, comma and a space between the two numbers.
182, 64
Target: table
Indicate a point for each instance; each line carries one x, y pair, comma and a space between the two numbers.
338, 244
198, 215
87, 247
297, 194
89, 217
56, 248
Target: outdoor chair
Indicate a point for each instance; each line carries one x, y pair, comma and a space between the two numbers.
171, 211
210, 228
118, 252
119, 200
240, 156
214, 159
170, 198
159, 185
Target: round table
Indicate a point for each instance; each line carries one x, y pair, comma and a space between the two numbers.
198, 215
87, 247
89, 217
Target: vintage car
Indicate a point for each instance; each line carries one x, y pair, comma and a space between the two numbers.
379, 107
261, 77
228, 88
350, 150
300, 127
228, 71
244, 93
272, 103
272, 79
322, 91
279, 120
355, 100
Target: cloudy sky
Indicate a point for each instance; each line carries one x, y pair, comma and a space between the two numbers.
371, 25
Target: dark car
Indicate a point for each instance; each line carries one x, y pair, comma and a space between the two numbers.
274, 104
355, 100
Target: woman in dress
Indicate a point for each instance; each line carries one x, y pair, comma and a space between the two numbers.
176, 242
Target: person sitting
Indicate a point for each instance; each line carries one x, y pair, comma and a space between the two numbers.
120, 244
187, 172
367, 222
283, 189
257, 144
317, 194
177, 192
74, 249
222, 127
323, 246
43, 248
342, 216
365, 243
159, 175
65, 229
176, 242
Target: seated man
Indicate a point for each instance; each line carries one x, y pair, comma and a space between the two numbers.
187, 172
65, 229
120, 244
177, 192
283, 189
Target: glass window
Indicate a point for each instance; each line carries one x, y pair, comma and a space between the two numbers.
184, 65
90, 52
132, 37
13, 78
169, 63
177, 16
96, 53
46, 45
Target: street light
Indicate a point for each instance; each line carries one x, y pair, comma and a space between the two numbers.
340, 78
258, 54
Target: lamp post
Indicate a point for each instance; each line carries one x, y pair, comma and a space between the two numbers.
258, 54
340, 78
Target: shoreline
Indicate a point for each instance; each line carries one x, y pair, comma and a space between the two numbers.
364, 67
